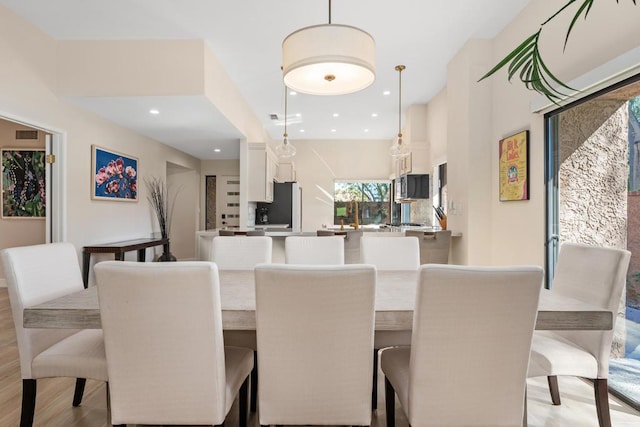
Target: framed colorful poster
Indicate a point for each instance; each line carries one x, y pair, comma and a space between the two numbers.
114, 176
23, 183
514, 167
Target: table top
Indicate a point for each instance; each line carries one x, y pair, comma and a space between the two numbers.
395, 296
126, 245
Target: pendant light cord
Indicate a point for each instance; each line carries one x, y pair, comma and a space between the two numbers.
329, 11
399, 68
285, 111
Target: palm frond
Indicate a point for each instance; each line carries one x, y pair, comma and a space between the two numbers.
586, 7
526, 58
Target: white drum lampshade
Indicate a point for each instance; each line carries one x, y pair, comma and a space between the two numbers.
328, 59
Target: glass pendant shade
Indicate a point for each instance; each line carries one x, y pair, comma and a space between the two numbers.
400, 149
285, 149
328, 59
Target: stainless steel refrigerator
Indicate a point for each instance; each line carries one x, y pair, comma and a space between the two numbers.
286, 207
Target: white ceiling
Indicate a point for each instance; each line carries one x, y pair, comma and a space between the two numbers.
246, 36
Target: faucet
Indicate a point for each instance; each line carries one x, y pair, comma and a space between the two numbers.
355, 217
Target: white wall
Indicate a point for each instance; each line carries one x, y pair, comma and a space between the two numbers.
183, 185
320, 162
27, 90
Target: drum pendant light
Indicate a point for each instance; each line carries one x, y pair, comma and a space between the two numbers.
328, 59
400, 149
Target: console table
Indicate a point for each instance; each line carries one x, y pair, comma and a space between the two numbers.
118, 249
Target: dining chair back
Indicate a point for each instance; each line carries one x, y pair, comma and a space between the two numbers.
315, 337
36, 274
313, 250
163, 338
391, 253
472, 329
241, 253
595, 275
434, 246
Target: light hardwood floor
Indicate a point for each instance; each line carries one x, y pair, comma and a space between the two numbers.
54, 396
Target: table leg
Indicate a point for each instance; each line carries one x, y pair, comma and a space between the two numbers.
86, 258
119, 256
142, 255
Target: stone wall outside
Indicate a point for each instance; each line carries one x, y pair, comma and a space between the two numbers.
593, 181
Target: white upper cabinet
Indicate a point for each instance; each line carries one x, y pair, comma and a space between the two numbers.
263, 170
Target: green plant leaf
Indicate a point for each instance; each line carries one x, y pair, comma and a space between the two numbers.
586, 6
514, 53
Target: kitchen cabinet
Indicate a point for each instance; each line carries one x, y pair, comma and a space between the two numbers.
263, 170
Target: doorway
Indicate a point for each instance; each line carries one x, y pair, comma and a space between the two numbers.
25, 211
593, 197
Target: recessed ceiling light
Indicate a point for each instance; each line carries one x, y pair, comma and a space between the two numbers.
374, 114
217, 150
333, 130
366, 130
293, 93
386, 92
298, 115
301, 130
336, 115
154, 111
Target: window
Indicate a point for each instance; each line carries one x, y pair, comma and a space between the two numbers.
373, 199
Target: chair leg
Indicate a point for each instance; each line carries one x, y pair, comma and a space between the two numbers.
254, 383
374, 390
602, 401
553, 389
28, 402
390, 403
77, 394
243, 400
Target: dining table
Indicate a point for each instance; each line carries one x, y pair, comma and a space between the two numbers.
395, 298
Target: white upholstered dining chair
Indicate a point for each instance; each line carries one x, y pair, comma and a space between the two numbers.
467, 363
240, 252
34, 275
595, 275
390, 254
314, 250
315, 336
165, 353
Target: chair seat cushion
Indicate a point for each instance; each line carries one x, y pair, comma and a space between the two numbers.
553, 355
80, 355
238, 362
395, 366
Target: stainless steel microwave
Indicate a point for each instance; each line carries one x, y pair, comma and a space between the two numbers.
410, 186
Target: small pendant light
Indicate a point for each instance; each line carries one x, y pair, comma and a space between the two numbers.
400, 149
285, 149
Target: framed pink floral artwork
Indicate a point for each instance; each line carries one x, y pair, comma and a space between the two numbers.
114, 175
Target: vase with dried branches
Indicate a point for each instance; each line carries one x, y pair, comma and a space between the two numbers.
163, 207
